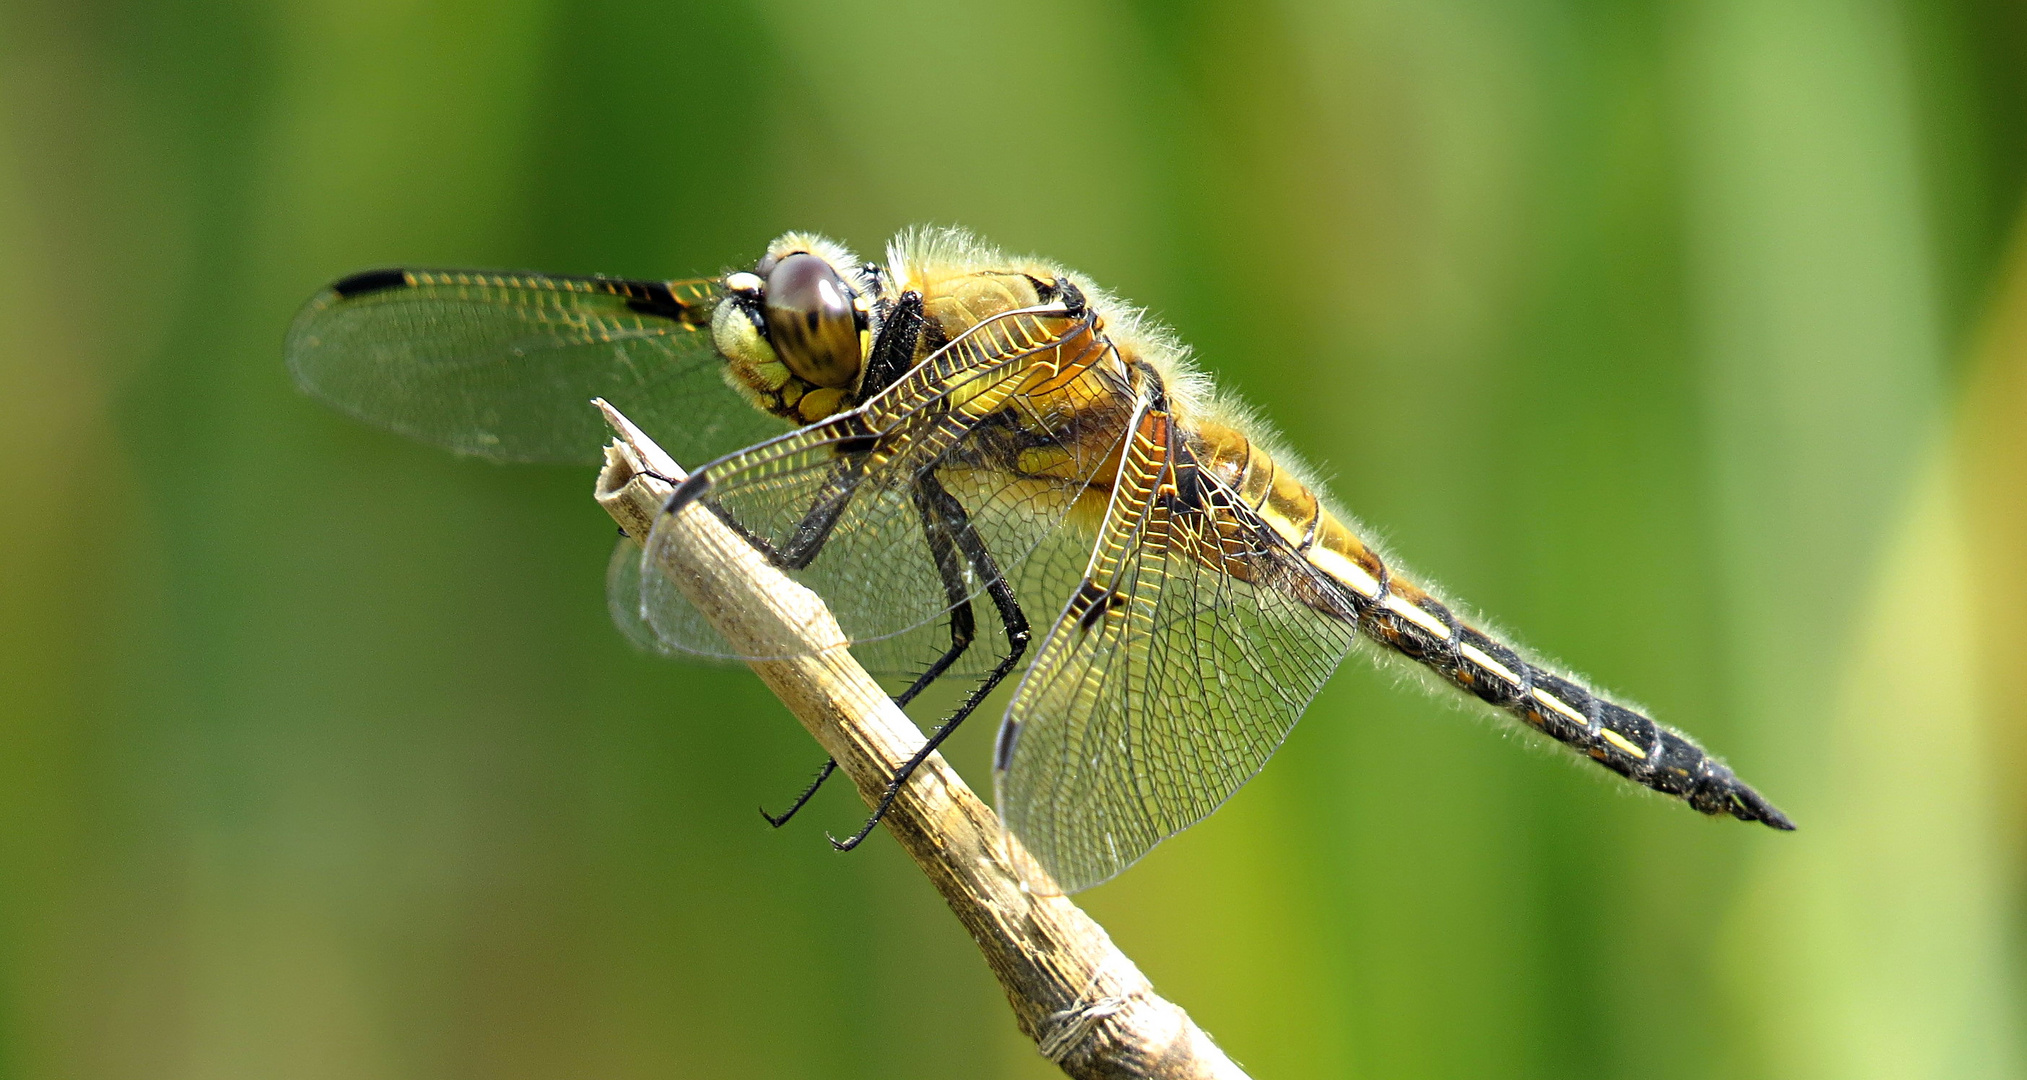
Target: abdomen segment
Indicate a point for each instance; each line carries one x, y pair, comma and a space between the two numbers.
1406, 619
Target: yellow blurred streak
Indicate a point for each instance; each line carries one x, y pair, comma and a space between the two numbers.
1883, 946
1874, 942
1880, 945
1993, 446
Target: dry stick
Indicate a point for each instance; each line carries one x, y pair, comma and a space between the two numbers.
1086, 1006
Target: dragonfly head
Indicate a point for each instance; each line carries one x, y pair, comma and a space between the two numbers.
796, 328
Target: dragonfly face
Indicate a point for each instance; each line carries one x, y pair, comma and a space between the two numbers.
944, 448
796, 330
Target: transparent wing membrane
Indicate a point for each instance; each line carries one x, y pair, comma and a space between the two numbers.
1176, 670
622, 599
503, 365
840, 503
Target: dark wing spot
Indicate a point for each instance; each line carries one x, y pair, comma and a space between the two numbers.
694, 487
1003, 747
1101, 601
654, 298
370, 281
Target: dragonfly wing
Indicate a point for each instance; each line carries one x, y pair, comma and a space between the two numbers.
503, 365
622, 599
840, 501
1057, 538
1178, 667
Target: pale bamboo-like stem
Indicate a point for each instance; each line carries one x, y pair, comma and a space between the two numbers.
1086, 1006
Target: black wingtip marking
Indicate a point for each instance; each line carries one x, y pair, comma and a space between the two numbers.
690, 490
370, 281
1097, 601
656, 298
1003, 745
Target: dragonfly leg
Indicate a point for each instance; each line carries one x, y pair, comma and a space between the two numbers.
830, 766
806, 542
815, 527
956, 526
963, 629
950, 565
892, 355
894, 350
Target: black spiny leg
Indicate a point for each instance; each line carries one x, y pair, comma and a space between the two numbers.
944, 515
830, 765
806, 542
803, 546
893, 354
963, 626
950, 562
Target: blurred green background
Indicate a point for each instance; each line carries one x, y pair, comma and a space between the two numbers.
1687, 340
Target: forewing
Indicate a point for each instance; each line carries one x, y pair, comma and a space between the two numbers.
1176, 670
503, 365
843, 493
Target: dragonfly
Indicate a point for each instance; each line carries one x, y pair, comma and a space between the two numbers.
977, 461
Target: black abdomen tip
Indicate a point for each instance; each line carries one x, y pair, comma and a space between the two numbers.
1723, 793
370, 281
1747, 805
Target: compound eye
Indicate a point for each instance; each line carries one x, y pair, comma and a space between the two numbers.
810, 321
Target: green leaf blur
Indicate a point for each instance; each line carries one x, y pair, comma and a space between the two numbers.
1687, 341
